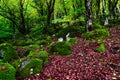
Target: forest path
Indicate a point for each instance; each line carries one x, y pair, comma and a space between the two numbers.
85, 63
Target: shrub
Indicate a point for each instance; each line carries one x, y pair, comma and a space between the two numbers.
43, 55
101, 48
7, 71
30, 66
7, 52
61, 48
76, 29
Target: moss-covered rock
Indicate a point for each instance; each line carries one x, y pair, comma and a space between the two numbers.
42, 42
22, 51
7, 71
101, 48
34, 46
30, 66
88, 35
41, 55
98, 34
73, 40
61, 48
7, 52
19, 42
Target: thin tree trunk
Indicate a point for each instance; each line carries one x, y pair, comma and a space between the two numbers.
22, 27
50, 7
89, 15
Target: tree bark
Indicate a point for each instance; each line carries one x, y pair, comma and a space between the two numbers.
89, 15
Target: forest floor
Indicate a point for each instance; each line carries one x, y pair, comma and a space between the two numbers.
85, 63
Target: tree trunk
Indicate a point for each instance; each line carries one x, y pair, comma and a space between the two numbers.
98, 9
22, 27
89, 15
50, 9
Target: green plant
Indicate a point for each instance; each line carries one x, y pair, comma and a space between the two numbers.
7, 52
7, 71
101, 48
61, 48
31, 66
43, 55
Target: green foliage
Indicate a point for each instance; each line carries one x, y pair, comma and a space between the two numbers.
7, 71
61, 48
101, 48
97, 26
7, 52
98, 34
33, 66
5, 32
43, 55
62, 33
59, 20
37, 32
73, 40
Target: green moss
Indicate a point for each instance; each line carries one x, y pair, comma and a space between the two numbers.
97, 26
34, 46
61, 48
101, 48
7, 71
16, 64
41, 55
42, 42
88, 35
73, 40
19, 42
33, 66
98, 34
101, 34
7, 52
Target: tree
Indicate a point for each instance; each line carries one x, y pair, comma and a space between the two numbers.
89, 15
17, 14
